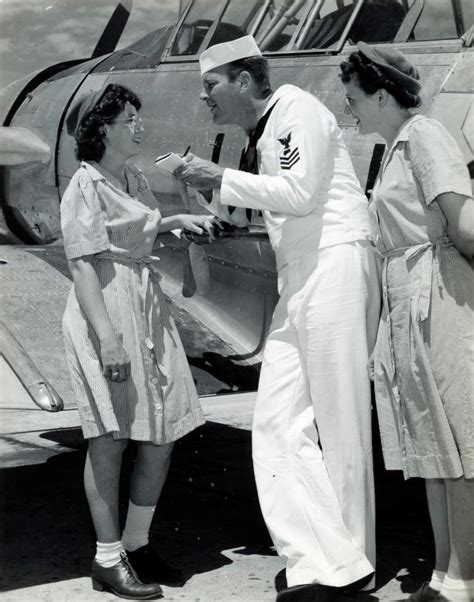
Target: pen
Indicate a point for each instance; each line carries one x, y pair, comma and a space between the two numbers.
186, 151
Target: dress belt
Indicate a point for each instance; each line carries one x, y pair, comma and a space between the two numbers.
429, 253
149, 268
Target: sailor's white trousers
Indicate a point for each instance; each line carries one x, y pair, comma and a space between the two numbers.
312, 441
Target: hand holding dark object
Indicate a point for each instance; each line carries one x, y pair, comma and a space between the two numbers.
205, 225
222, 231
199, 173
196, 238
114, 358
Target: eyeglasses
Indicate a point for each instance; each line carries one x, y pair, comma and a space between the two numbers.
133, 122
349, 101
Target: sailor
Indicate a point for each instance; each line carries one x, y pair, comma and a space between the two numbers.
312, 445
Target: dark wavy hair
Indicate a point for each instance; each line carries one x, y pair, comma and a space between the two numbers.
371, 78
257, 66
90, 134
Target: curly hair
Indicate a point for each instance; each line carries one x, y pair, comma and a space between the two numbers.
371, 78
90, 134
257, 66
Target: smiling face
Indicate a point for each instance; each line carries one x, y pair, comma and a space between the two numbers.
124, 133
364, 107
223, 97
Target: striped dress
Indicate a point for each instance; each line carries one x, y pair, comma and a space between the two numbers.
158, 402
424, 370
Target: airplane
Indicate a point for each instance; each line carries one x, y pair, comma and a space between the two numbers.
223, 293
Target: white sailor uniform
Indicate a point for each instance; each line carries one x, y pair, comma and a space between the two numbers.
312, 445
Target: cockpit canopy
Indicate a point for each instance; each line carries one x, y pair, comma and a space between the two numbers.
284, 26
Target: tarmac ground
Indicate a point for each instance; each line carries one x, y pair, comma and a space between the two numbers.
207, 522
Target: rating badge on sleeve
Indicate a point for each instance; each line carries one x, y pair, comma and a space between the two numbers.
289, 156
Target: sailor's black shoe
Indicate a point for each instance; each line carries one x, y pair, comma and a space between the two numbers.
315, 592
309, 592
357, 586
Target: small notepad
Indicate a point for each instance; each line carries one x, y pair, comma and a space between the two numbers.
169, 162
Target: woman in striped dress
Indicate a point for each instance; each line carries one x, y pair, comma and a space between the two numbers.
127, 363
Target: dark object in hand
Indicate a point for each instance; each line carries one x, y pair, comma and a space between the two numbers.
224, 232
253, 233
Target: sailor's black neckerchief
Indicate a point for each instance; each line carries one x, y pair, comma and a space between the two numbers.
248, 158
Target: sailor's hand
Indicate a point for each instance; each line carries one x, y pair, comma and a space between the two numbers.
199, 173
115, 360
201, 224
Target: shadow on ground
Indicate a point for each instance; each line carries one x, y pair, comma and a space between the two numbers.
209, 504
235, 377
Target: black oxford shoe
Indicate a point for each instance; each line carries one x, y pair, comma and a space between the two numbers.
311, 592
426, 594
150, 568
122, 581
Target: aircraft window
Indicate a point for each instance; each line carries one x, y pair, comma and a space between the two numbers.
325, 26
376, 21
433, 20
321, 24
197, 25
443, 20
288, 25
274, 23
242, 13
280, 24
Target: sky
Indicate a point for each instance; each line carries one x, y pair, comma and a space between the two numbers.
37, 33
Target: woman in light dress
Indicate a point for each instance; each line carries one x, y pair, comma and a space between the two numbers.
129, 370
423, 225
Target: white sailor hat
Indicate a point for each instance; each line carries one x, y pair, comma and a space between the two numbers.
224, 53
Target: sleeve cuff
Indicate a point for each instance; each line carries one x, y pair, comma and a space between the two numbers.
92, 247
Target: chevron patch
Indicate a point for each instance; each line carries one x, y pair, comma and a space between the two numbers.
287, 162
289, 156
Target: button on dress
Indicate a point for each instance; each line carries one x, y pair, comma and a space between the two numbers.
158, 402
423, 361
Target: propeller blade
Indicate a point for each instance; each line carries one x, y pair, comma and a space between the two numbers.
21, 145
113, 30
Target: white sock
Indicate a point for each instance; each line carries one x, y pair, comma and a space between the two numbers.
458, 590
108, 554
437, 580
137, 526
